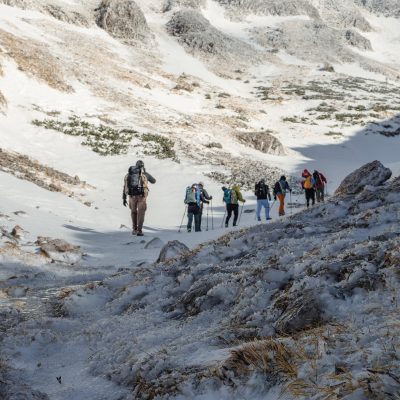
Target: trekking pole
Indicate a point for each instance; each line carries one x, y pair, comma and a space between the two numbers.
240, 215
212, 216
180, 226
207, 218
223, 219
291, 204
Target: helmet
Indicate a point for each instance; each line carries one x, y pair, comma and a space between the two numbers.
283, 178
140, 164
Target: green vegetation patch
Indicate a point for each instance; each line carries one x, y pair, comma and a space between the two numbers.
107, 141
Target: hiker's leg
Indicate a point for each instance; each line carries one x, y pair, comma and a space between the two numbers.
235, 213
266, 206
190, 221
197, 222
259, 206
133, 207
313, 196
228, 213
281, 198
141, 211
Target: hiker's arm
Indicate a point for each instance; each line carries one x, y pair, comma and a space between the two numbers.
268, 194
150, 178
125, 191
240, 197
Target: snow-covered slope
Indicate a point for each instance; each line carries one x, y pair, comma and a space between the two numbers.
291, 309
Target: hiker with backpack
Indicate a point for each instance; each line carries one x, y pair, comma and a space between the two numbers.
193, 202
308, 184
136, 188
280, 189
231, 199
262, 193
320, 182
205, 198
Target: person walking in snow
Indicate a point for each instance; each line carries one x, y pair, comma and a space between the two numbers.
308, 184
136, 189
205, 198
193, 202
262, 193
320, 182
231, 199
280, 189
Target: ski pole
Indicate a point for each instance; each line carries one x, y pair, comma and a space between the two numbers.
207, 218
180, 226
212, 216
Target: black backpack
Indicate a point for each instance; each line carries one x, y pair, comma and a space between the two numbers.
261, 189
277, 188
136, 184
317, 178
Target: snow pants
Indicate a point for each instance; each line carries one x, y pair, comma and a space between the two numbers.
310, 195
281, 198
262, 204
229, 209
138, 207
320, 194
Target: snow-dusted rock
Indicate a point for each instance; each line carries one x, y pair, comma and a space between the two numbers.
122, 19
171, 250
302, 311
373, 174
60, 250
17, 232
262, 141
155, 243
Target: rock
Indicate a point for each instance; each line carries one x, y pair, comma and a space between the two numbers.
262, 141
122, 19
17, 232
302, 311
60, 250
374, 174
154, 243
171, 250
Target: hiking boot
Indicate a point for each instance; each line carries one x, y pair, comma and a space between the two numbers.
258, 219
134, 231
140, 233
189, 230
269, 219
226, 225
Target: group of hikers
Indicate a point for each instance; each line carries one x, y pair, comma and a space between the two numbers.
136, 190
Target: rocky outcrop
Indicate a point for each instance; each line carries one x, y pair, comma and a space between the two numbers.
262, 141
122, 19
171, 250
59, 250
155, 243
373, 174
387, 8
197, 34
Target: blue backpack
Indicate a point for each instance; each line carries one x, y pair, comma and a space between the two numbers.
227, 196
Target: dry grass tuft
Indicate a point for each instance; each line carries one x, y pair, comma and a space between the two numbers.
269, 356
34, 58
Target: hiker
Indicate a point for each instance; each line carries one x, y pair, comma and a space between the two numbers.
280, 189
320, 182
136, 187
308, 184
231, 199
205, 198
193, 201
262, 193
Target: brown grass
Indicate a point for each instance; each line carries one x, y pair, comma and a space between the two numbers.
35, 59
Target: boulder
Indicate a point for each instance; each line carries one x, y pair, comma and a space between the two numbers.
262, 141
59, 250
171, 250
373, 174
154, 243
122, 19
302, 311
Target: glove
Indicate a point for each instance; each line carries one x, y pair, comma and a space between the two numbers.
210, 197
124, 202
244, 201
274, 197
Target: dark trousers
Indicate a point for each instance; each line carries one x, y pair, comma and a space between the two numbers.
229, 209
194, 212
310, 195
320, 194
